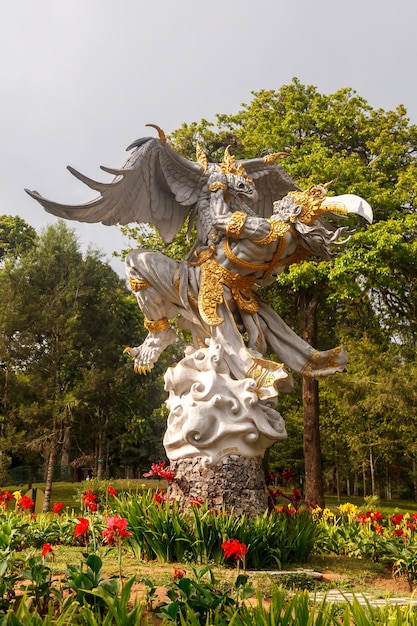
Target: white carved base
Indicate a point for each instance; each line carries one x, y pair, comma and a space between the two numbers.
212, 415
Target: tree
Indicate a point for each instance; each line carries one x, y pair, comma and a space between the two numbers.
66, 323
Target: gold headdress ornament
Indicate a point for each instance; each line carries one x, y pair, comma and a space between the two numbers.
229, 165
311, 201
201, 157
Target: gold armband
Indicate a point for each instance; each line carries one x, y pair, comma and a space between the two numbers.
156, 326
137, 284
278, 229
217, 185
235, 224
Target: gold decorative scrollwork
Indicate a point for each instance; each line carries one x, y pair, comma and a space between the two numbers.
156, 326
217, 185
136, 284
263, 372
213, 279
236, 224
278, 229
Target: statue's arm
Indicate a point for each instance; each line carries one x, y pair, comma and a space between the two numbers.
236, 224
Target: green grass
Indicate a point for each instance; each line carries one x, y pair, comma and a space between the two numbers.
69, 492
393, 506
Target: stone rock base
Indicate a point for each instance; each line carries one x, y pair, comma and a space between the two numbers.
235, 482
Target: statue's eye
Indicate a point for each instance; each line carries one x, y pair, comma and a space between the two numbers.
241, 185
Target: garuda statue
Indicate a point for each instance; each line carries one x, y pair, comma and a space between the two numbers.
251, 221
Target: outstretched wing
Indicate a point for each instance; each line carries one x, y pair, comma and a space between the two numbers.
271, 181
155, 186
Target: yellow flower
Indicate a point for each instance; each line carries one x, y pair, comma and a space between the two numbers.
316, 513
17, 495
350, 510
328, 514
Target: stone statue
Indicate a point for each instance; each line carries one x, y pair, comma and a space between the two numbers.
251, 221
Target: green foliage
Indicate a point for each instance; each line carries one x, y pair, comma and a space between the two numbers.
161, 531
201, 598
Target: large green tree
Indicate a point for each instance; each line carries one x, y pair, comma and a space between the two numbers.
64, 324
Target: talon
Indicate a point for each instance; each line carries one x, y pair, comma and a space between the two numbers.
127, 350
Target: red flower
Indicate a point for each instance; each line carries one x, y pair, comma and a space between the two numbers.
379, 530
57, 507
233, 548
111, 491
178, 574
82, 527
5, 498
399, 532
196, 501
396, 519
159, 497
90, 500
26, 503
158, 470
47, 548
115, 528
287, 475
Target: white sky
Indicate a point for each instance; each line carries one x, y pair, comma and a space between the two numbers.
81, 78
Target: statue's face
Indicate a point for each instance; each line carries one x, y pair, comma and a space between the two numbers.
240, 186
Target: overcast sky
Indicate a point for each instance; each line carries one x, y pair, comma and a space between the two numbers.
80, 79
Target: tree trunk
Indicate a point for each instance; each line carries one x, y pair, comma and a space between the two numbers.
50, 473
65, 452
314, 492
372, 470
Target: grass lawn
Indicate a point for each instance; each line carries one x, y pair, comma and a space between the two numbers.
69, 493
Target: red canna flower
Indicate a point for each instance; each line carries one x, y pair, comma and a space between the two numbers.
233, 548
158, 470
399, 532
196, 501
379, 530
90, 500
82, 527
287, 475
116, 527
57, 507
178, 574
25, 503
5, 498
111, 491
396, 519
46, 549
159, 497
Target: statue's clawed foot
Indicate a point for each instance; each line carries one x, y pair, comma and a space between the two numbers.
148, 353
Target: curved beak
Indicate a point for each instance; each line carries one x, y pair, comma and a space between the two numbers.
349, 203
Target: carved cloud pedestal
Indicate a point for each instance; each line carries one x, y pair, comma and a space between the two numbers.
217, 433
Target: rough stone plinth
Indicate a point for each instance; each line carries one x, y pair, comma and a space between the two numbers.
235, 482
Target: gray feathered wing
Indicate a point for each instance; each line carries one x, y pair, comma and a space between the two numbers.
155, 186
271, 181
